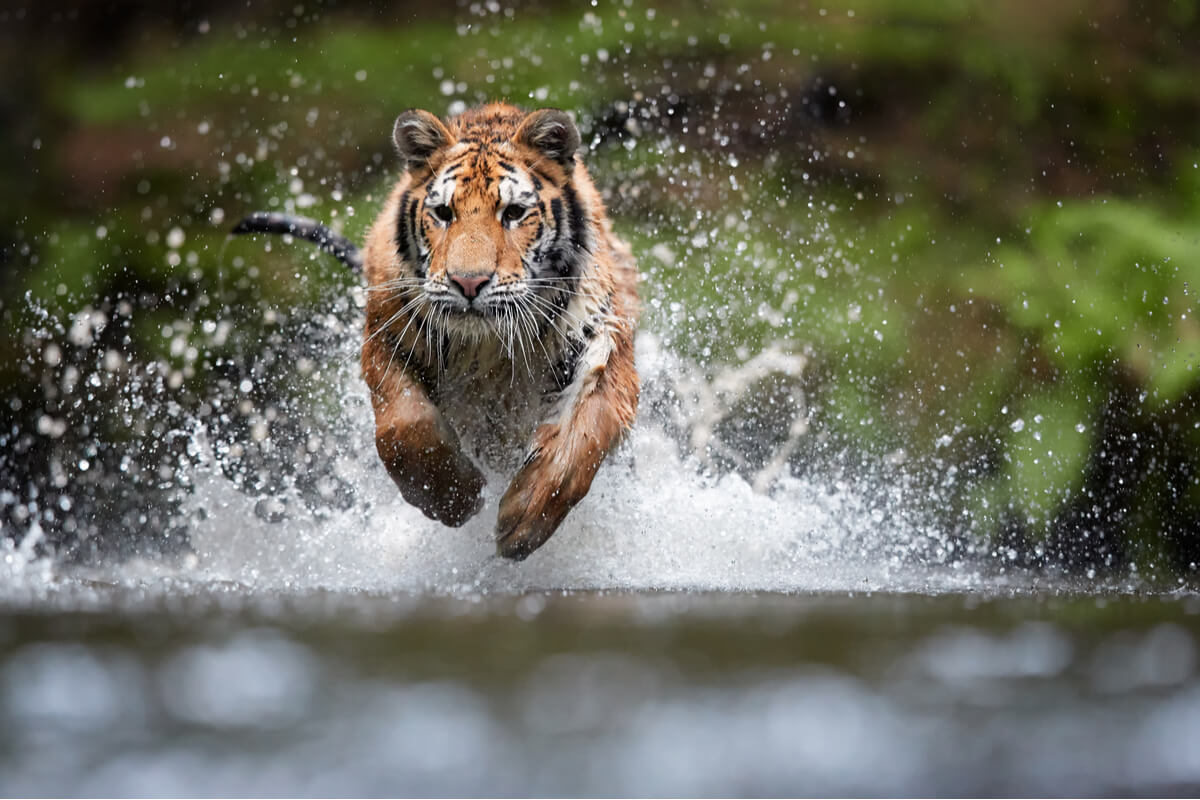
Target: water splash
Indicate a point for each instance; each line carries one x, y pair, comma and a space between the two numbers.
693, 501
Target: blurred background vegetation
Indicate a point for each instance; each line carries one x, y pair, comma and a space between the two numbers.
979, 220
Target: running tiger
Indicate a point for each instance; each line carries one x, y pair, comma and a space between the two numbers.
500, 318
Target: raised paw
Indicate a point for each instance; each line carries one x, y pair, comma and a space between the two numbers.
440, 481
456, 502
539, 497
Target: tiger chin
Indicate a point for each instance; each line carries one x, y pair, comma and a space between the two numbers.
500, 319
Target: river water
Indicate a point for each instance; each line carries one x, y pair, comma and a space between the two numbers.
689, 631
171, 687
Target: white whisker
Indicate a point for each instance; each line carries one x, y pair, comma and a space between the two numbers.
399, 342
531, 311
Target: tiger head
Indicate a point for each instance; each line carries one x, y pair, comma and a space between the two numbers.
491, 227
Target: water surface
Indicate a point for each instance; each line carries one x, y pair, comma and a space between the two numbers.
166, 686
690, 630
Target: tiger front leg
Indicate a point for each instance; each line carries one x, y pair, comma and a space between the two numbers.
566, 455
421, 453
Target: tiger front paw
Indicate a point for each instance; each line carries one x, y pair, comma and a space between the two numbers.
537, 501
455, 502
440, 481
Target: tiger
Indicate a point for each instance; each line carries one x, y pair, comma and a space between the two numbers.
501, 310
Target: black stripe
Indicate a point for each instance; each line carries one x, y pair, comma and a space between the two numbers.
540, 253
537, 182
403, 242
504, 165
559, 260
579, 229
556, 210
418, 267
568, 362
562, 255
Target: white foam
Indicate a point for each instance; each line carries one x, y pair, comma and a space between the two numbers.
653, 520
657, 517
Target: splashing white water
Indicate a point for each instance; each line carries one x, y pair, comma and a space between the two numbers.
659, 516
650, 522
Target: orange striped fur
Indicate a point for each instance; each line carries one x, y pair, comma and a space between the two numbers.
500, 320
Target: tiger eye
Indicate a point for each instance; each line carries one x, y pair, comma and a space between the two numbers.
513, 213
444, 213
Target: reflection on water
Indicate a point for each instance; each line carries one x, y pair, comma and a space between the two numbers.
192, 690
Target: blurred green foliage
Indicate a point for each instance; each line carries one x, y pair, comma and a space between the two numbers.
979, 219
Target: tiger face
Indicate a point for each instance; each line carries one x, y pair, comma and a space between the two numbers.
490, 230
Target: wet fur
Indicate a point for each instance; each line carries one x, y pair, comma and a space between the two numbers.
536, 374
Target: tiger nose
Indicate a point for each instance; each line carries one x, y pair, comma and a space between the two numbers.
470, 283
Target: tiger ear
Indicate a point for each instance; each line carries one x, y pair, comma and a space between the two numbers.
418, 135
552, 133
